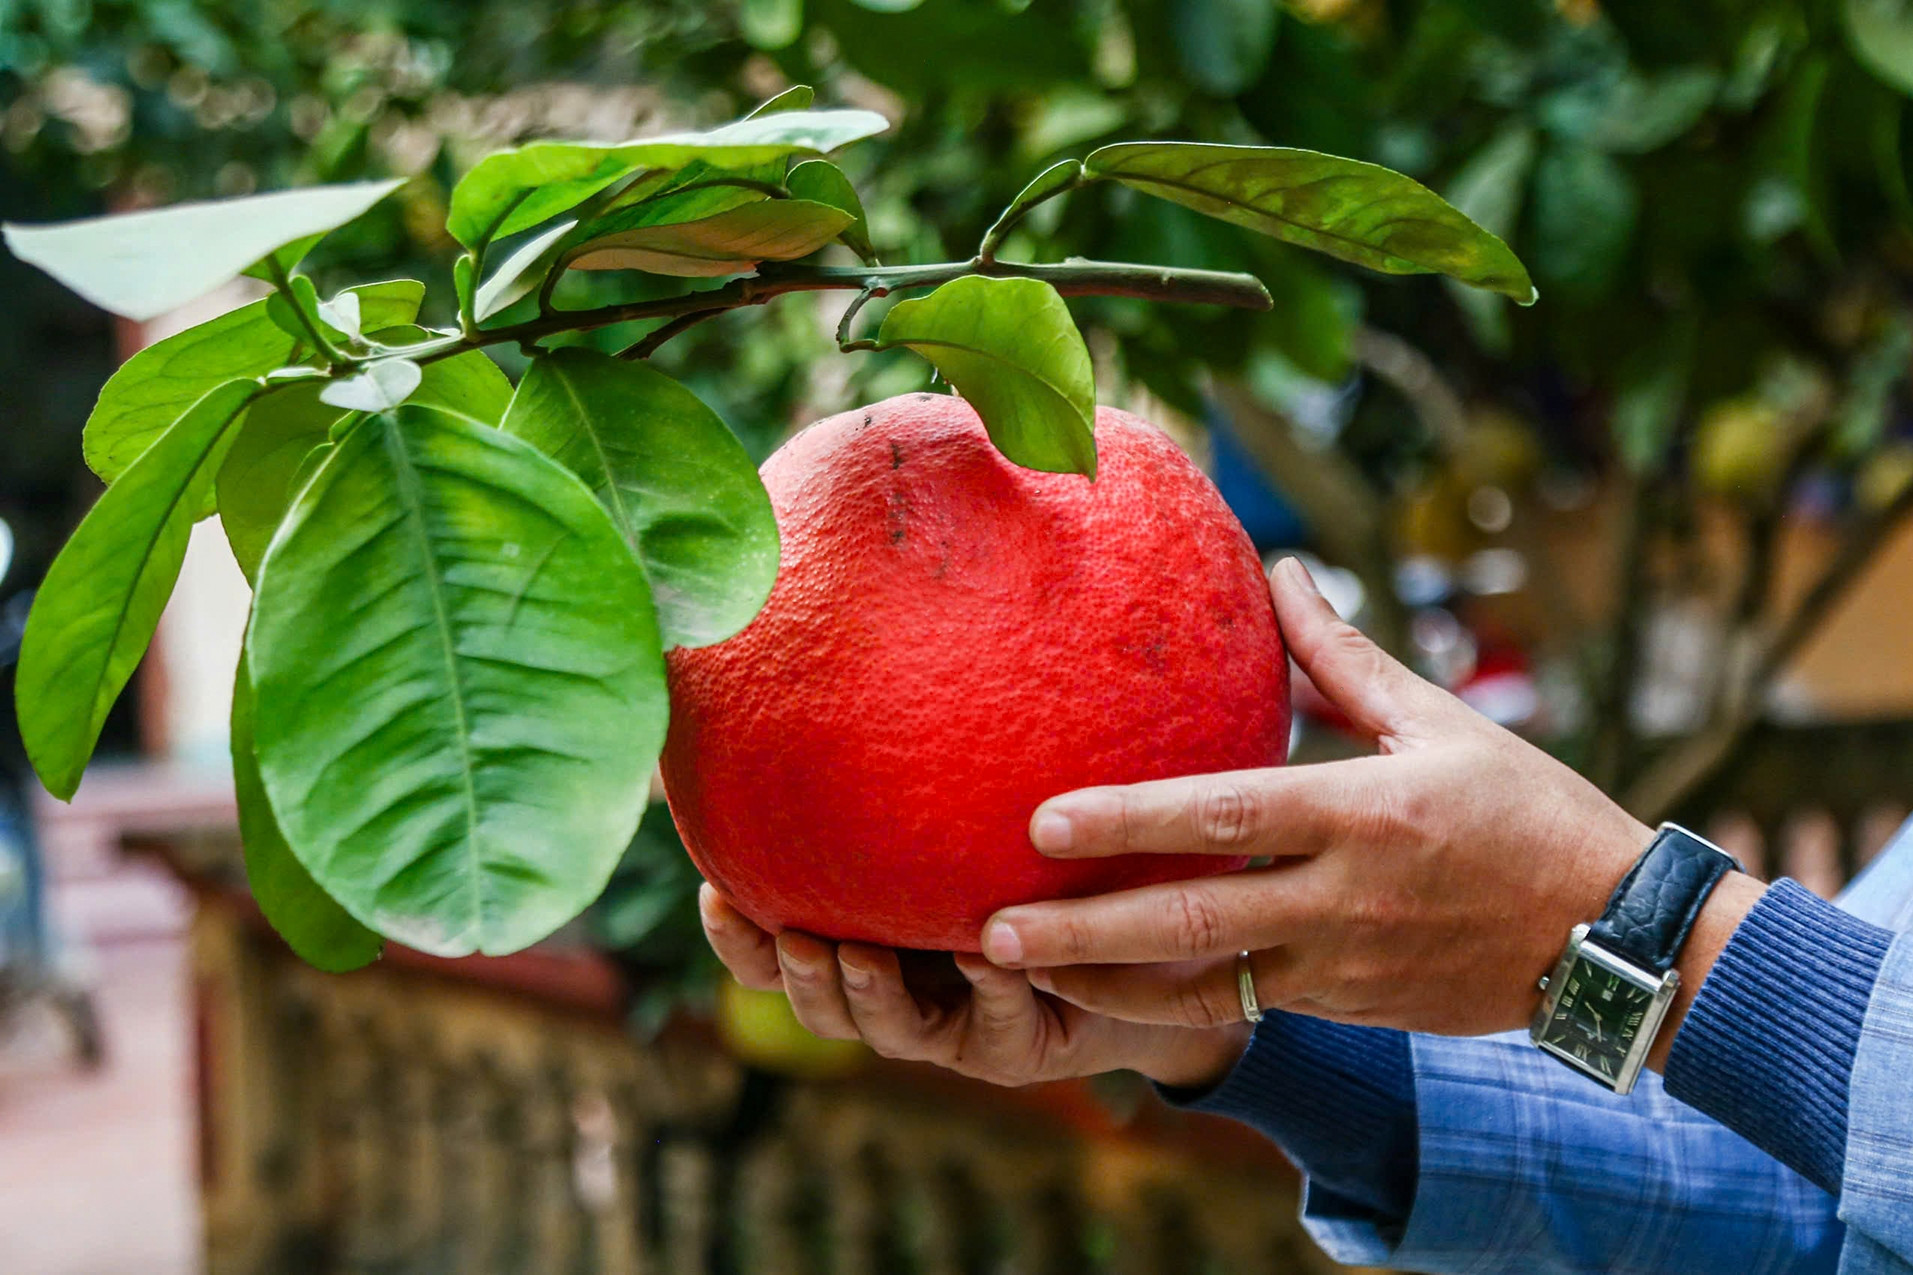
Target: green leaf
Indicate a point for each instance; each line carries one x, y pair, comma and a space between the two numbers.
469, 385
517, 189
313, 925
676, 481
1880, 33
262, 471
143, 264
462, 767
1223, 45
295, 306
1355, 212
380, 387
1488, 191
1585, 209
797, 97
1011, 349
771, 24
523, 271
96, 611
151, 389
822, 182
730, 242
255, 483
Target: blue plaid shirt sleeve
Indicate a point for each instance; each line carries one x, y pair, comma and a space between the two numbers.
1525, 1167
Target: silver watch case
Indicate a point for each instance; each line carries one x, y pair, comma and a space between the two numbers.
1663, 987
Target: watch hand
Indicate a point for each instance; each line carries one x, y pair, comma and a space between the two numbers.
1596, 1015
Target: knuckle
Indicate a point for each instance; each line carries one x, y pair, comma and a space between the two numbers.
1225, 815
1195, 924
1197, 1005
1074, 941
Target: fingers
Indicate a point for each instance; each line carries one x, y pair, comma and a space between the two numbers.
1380, 697
748, 952
815, 985
1180, 921
886, 1015
1003, 1007
1198, 994
1300, 811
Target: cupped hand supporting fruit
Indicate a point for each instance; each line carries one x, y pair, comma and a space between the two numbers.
1425, 888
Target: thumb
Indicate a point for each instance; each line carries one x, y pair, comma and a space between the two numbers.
1377, 693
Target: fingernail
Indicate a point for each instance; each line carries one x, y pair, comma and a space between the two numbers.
1002, 944
802, 963
1041, 981
1300, 573
855, 977
1050, 832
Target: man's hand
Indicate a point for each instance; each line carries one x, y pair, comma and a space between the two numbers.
1425, 888
999, 1030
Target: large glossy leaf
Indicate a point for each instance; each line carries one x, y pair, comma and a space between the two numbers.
1880, 33
1356, 212
95, 613
258, 479
1011, 349
517, 189
729, 242
310, 920
677, 483
461, 766
143, 264
151, 389
822, 182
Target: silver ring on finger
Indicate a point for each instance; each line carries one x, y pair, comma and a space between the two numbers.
1245, 984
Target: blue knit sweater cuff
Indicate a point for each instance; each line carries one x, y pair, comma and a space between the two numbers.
1338, 1100
1767, 1046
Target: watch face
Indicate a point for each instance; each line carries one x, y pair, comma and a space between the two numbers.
1597, 1018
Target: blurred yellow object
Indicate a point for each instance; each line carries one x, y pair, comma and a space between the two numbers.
1884, 476
1740, 449
1498, 451
759, 1028
1431, 520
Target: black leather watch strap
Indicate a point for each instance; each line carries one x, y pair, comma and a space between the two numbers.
1654, 907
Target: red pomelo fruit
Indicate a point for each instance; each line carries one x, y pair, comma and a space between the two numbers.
951, 640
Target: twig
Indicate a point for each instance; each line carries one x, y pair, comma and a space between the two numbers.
648, 345
1072, 278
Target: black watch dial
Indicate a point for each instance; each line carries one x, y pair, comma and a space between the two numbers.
1597, 1018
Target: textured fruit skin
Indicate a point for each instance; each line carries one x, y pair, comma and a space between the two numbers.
951, 640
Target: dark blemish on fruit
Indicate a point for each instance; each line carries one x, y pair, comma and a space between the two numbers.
943, 560
896, 455
866, 420
899, 516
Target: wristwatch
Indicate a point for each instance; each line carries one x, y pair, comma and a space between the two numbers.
1608, 994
